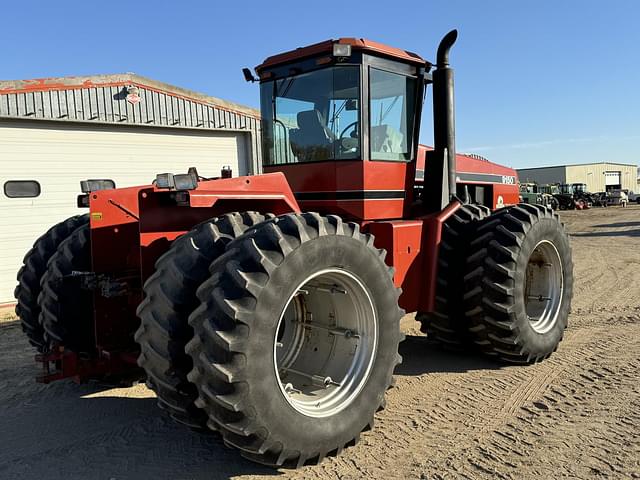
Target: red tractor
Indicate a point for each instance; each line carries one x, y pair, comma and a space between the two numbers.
267, 307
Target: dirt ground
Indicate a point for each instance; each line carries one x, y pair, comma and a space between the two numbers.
576, 415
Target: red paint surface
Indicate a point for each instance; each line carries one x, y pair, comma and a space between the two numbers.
352, 175
465, 164
132, 227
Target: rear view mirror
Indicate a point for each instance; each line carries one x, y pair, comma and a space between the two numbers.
22, 189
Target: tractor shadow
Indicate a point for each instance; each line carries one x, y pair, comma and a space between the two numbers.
97, 430
632, 232
617, 225
607, 233
420, 356
72, 435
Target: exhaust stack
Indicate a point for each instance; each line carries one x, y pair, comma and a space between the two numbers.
444, 128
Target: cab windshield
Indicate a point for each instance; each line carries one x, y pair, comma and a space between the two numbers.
312, 116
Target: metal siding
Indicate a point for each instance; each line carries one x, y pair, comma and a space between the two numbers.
629, 177
543, 175
594, 175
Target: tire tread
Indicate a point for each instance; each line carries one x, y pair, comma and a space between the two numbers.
30, 274
489, 281
170, 296
447, 324
227, 306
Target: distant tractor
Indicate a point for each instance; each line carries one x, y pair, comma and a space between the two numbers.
267, 307
532, 194
582, 197
563, 198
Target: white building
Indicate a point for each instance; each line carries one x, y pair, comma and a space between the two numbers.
56, 132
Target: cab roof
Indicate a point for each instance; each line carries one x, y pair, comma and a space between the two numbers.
326, 47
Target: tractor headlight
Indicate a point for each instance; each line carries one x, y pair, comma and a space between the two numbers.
341, 50
164, 180
185, 181
88, 186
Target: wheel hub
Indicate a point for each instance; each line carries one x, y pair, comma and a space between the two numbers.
544, 287
325, 343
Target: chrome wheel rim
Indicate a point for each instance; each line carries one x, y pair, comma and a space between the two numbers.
544, 286
325, 343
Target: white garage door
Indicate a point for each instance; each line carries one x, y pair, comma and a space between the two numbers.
612, 178
59, 155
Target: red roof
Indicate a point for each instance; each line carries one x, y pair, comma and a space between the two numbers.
357, 44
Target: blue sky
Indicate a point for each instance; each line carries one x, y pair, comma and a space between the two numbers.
538, 82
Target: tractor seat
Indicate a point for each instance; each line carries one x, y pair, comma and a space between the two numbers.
386, 139
311, 140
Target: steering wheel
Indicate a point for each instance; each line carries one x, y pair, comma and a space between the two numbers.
348, 144
352, 124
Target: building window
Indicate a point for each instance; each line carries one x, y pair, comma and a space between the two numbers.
22, 189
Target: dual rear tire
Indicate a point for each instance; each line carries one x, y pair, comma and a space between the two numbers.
67, 309
170, 296
519, 284
505, 282
51, 310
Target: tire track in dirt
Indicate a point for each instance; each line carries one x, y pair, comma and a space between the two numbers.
576, 404
486, 409
607, 267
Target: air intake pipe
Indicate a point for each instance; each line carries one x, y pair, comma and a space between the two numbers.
444, 127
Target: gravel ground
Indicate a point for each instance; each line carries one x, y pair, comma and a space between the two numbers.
451, 415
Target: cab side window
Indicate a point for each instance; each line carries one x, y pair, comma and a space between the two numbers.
391, 114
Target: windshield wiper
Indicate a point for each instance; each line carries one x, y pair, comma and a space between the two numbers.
286, 90
337, 113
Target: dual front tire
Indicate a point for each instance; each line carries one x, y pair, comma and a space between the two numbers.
447, 323
294, 338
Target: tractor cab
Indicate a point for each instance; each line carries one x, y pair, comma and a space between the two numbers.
341, 119
573, 188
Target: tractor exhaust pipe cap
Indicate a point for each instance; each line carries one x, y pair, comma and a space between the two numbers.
442, 57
